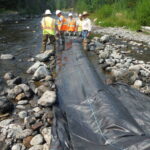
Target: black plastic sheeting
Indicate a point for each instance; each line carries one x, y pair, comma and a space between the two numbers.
93, 116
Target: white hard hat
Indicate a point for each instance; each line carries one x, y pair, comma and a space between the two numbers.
70, 14
58, 12
48, 12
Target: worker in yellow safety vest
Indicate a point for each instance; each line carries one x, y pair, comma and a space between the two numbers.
62, 25
49, 27
71, 24
79, 25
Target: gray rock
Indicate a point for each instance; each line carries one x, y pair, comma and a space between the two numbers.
6, 56
37, 147
13, 82
37, 140
101, 61
34, 67
135, 68
44, 56
110, 62
134, 77
23, 102
24, 87
5, 105
22, 114
104, 54
48, 78
6, 122
116, 55
15, 131
41, 73
8, 76
36, 109
11, 94
138, 84
17, 90
31, 60
41, 89
99, 46
144, 73
47, 99
21, 107
46, 147
46, 132
105, 38
118, 72
91, 48
18, 146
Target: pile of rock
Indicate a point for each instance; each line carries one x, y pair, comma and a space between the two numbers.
124, 68
26, 107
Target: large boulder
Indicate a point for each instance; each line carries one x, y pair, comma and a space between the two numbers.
6, 56
40, 73
44, 56
5, 105
34, 67
47, 99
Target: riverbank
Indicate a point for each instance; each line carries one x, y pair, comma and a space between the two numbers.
123, 56
26, 106
123, 33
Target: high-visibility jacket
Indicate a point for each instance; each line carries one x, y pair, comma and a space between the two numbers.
72, 25
62, 23
48, 25
79, 25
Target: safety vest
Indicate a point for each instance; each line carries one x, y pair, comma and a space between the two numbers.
71, 25
48, 25
79, 23
62, 24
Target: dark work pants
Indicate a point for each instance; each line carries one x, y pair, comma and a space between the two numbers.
45, 40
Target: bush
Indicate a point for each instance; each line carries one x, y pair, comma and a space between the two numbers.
143, 12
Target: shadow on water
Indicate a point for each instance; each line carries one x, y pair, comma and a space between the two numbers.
21, 39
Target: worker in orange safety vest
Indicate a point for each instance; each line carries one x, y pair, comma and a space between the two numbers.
62, 25
49, 27
71, 24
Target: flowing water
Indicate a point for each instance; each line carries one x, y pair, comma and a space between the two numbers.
21, 39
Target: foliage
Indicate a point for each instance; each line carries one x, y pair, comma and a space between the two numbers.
129, 13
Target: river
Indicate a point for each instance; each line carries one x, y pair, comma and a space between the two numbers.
21, 39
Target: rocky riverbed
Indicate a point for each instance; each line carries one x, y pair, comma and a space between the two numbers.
26, 106
122, 58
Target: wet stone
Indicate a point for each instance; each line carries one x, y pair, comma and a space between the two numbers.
26, 141
9, 76
36, 140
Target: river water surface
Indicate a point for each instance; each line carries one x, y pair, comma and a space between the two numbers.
21, 39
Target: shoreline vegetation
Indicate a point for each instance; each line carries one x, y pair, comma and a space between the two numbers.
122, 13
106, 13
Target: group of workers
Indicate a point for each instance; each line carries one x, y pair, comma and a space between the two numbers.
61, 26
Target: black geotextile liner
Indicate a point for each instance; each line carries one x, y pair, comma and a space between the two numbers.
93, 116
